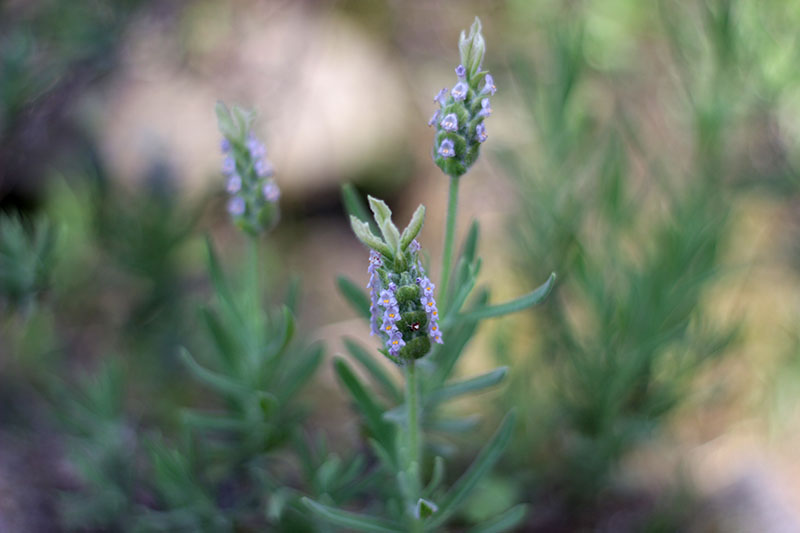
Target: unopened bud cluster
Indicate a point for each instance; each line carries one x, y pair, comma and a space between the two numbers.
403, 309
460, 129
253, 193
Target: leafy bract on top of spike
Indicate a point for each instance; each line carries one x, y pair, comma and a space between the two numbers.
390, 244
402, 306
254, 195
460, 129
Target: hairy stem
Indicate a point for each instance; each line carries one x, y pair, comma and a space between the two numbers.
413, 451
449, 237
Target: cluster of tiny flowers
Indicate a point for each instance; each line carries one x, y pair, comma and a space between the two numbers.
401, 303
249, 183
391, 315
429, 304
459, 121
374, 288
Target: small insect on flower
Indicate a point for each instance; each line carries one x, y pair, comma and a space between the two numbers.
414, 327
450, 122
459, 92
447, 148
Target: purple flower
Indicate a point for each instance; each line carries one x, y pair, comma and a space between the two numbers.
459, 92
486, 108
395, 342
271, 191
256, 149
228, 165
450, 122
428, 303
236, 206
440, 96
447, 149
461, 72
263, 168
373, 286
225, 145
434, 118
387, 299
414, 246
234, 184
435, 333
488, 85
391, 316
480, 133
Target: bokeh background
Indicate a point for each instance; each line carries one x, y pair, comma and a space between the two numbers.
647, 152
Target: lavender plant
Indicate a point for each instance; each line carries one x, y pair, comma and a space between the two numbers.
425, 335
257, 372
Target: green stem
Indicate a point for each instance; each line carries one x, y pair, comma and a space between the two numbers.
449, 237
413, 457
253, 311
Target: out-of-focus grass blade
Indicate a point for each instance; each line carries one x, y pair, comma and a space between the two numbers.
374, 368
352, 521
436, 477
354, 295
529, 300
466, 386
219, 281
210, 378
455, 425
213, 421
300, 374
225, 343
504, 522
355, 206
485, 460
382, 430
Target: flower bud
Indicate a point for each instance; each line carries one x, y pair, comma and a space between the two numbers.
253, 204
460, 130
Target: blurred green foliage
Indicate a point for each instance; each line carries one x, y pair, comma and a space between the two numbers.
639, 126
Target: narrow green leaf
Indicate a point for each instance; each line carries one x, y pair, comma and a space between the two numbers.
216, 381
350, 520
470, 246
220, 283
354, 295
226, 344
372, 412
213, 421
354, 205
436, 476
482, 464
224, 121
466, 277
300, 374
466, 386
504, 522
380, 210
363, 233
425, 508
374, 369
529, 300
413, 228
391, 235
454, 425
